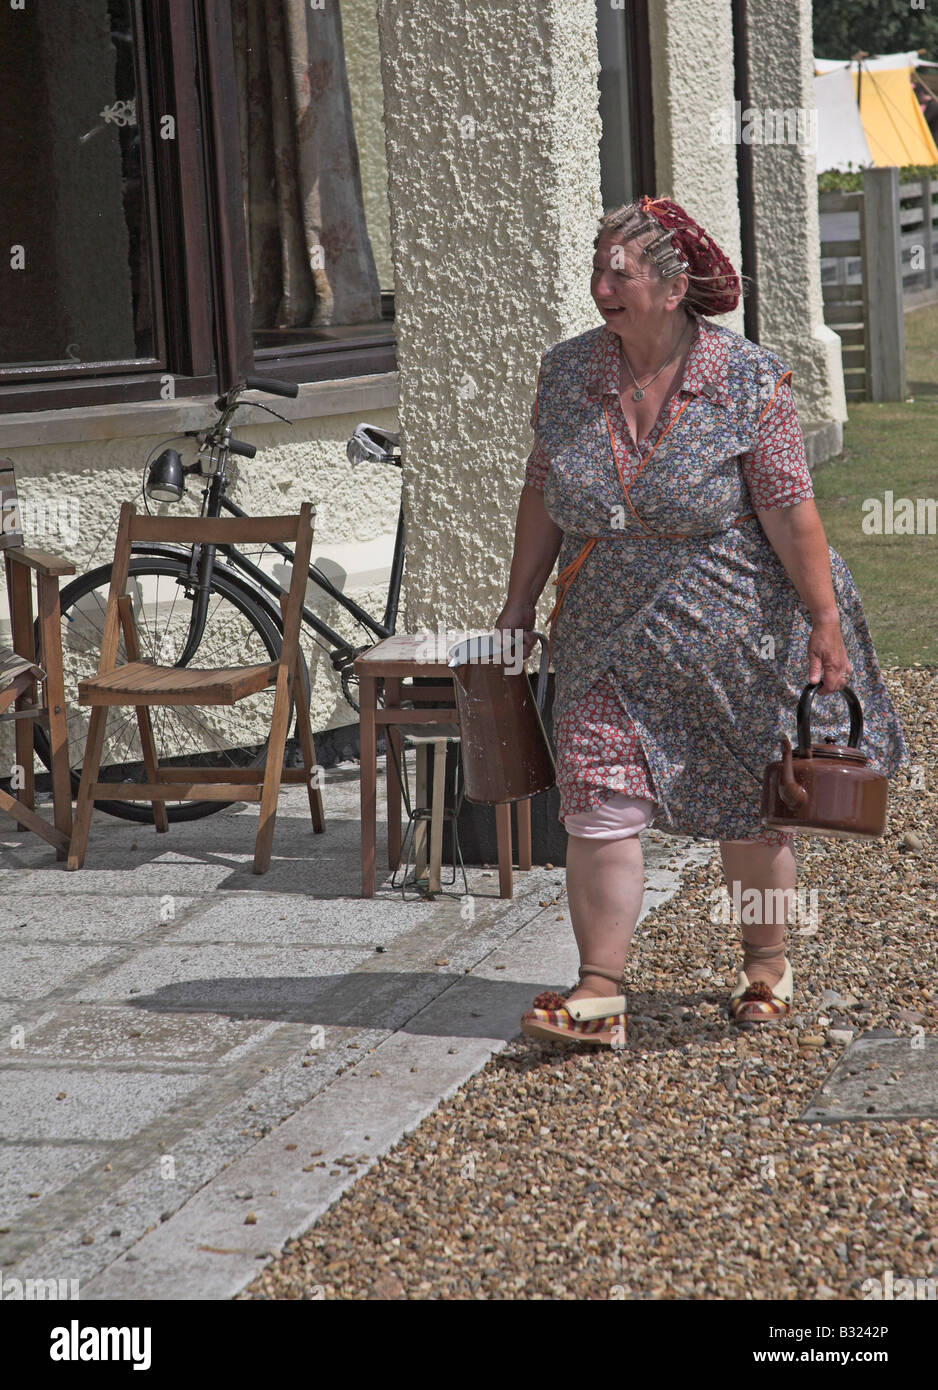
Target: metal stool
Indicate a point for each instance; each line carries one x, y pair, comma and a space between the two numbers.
436, 813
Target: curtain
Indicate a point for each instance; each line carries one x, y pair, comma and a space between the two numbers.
311, 262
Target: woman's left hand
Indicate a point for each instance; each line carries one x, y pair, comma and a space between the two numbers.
827, 656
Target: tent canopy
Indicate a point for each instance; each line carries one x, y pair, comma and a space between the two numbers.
892, 129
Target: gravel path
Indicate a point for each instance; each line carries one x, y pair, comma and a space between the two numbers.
677, 1168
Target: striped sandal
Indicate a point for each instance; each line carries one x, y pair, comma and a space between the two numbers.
552, 1017
756, 1004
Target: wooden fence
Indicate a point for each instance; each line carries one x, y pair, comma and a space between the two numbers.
864, 277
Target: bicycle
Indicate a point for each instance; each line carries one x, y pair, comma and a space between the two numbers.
214, 598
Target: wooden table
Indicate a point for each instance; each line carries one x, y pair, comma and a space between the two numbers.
396, 659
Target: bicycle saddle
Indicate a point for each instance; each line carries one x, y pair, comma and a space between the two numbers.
371, 444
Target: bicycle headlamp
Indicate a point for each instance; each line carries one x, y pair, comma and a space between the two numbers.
164, 478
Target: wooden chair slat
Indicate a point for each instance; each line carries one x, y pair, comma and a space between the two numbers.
174, 684
221, 530
41, 561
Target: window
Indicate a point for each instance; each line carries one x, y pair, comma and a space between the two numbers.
626, 147
183, 199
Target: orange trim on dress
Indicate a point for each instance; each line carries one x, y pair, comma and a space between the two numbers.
781, 382
612, 440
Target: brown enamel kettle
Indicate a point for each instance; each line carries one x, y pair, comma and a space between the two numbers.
506, 755
825, 788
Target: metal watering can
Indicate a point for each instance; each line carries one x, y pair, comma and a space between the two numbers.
505, 750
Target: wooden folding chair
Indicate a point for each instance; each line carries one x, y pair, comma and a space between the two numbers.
36, 691
142, 684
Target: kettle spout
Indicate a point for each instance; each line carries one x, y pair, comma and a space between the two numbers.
792, 793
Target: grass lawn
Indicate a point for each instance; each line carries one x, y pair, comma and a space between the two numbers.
891, 447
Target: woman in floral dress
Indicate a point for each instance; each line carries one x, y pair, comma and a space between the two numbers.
697, 595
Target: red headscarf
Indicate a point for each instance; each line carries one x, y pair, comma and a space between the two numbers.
721, 288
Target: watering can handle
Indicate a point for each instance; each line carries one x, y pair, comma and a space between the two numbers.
542, 671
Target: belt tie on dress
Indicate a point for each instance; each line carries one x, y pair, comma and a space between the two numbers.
566, 576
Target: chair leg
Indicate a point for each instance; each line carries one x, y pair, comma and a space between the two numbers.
89, 775
151, 763
308, 749
31, 820
144, 724
272, 775
50, 630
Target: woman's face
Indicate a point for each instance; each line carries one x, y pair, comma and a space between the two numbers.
627, 289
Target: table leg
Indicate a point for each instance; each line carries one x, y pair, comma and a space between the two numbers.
369, 759
392, 735
420, 802
503, 838
523, 812
436, 822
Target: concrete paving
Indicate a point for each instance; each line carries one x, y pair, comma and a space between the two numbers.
197, 1061
905, 1087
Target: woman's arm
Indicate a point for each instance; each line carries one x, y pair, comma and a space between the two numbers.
537, 545
796, 534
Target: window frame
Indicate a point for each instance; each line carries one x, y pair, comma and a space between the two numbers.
626, 106
197, 243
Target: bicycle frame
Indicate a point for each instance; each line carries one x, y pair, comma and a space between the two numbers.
201, 568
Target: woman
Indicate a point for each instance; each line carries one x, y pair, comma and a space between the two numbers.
697, 595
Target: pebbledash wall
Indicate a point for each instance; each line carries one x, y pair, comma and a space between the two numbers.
491, 131
494, 177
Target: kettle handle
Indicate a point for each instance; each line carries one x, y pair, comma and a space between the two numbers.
542, 671
804, 716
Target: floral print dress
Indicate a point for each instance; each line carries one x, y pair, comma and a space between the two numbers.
679, 642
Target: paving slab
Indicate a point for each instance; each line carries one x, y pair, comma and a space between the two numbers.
880, 1077
299, 920
112, 1033
87, 917
32, 971
63, 1103
29, 1172
240, 981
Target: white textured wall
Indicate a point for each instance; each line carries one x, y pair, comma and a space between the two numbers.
692, 75
700, 172
791, 313
492, 141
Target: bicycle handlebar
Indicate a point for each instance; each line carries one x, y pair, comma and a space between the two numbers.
272, 386
237, 446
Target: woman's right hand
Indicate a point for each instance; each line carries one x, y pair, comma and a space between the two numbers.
521, 616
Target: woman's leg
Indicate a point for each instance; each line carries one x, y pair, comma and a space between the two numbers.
605, 884
770, 869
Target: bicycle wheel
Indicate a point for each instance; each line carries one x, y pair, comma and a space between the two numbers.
237, 632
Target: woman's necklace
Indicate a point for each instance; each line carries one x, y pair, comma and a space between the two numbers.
639, 393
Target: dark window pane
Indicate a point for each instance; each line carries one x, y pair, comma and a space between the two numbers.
312, 267
73, 195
